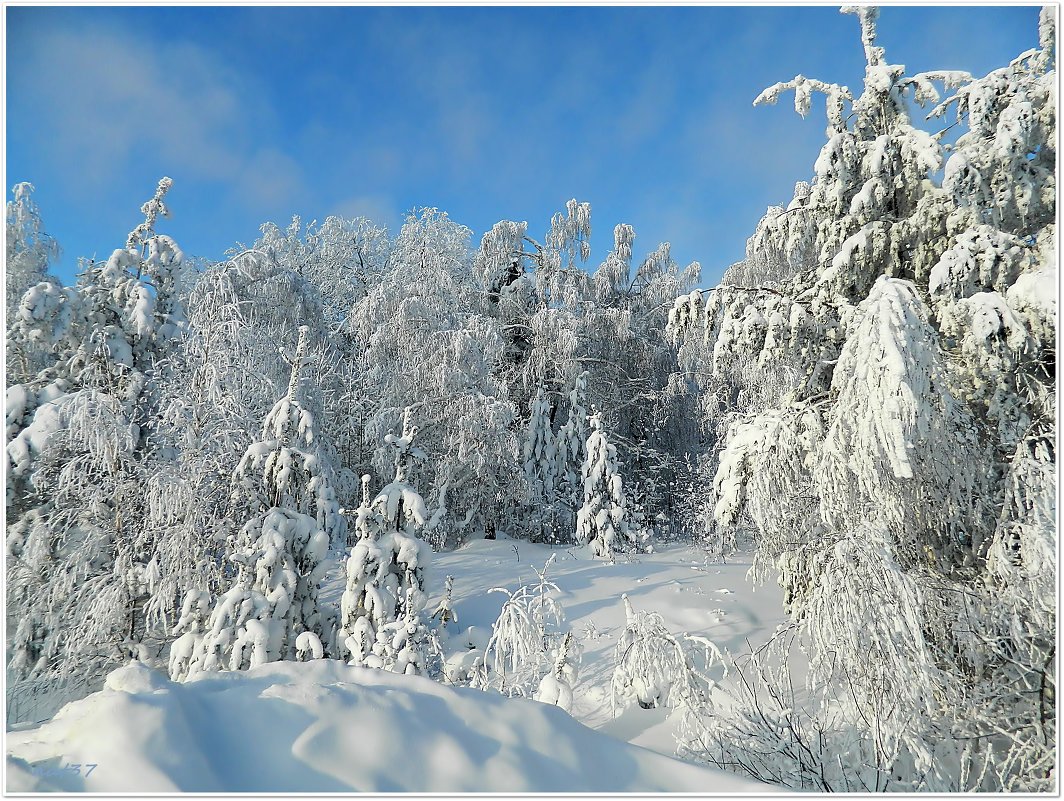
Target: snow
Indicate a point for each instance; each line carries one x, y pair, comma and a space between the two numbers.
324, 726
32, 440
676, 582
1036, 290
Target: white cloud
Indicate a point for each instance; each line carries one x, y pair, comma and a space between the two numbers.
269, 182
376, 208
110, 100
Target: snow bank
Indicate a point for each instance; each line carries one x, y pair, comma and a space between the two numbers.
324, 726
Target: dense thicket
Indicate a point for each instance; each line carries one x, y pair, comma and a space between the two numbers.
868, 398
175, 471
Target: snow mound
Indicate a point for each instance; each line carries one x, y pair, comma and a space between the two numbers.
324, 726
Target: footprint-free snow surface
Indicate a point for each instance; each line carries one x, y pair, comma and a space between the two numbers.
323, 727
327, 727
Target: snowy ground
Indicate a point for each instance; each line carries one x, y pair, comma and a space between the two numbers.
325, 726
712, 599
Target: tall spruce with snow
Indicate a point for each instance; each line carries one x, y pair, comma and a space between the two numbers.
381, 610
571, 444
283, 475
884, 486
603, 520
540, 456
79, 453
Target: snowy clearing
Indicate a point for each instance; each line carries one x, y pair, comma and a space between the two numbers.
305, 727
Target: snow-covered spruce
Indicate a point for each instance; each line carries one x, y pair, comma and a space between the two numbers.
602, 521
381, 609
279, 552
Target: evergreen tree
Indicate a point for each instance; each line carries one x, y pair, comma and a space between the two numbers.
381, 610
279, 553
602, 521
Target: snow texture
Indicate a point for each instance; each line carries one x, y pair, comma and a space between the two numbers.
324, 726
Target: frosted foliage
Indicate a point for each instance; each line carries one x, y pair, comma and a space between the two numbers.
556, 687
884, 614
430, 341
539, 451
381, 609
272, 602
603, 520
983, 258
653, 668
896, 438
286, 467
899, 489
526, 647
569, 234
498, 261
80, 455
28, 251
572, 440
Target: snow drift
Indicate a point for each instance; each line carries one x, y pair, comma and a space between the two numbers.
324, 726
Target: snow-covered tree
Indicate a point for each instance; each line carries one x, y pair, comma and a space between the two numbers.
654, 667
880, 484
286, 467
280, 551
28, 251
428, 340
556, 687
80, 452
381, 609
526, 641
603, 521
571, 443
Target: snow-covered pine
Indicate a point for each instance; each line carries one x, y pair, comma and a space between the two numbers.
285, 467
603, 520
539, 451
281, 549
382, 606
571, 444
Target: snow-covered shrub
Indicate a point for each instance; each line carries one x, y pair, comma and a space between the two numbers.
654, 668
444, 610
756, 723
523, 637
556, 687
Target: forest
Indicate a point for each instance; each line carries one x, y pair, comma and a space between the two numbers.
213, 466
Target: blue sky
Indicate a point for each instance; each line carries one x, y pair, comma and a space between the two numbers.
486, 113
